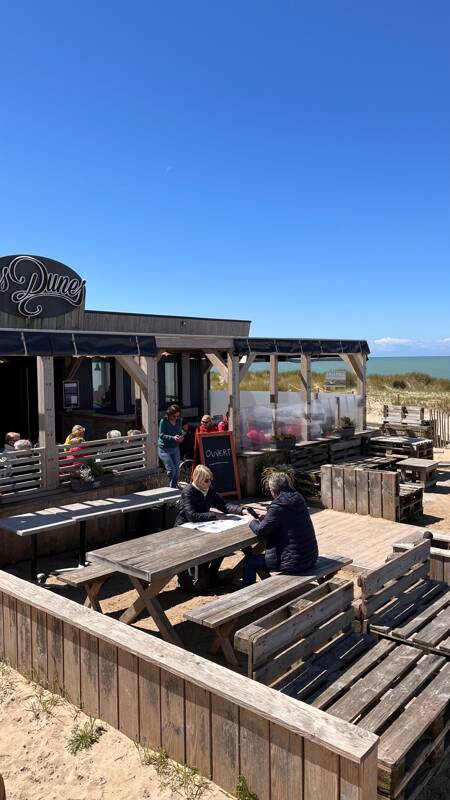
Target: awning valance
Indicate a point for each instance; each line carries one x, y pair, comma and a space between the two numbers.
78, 343
317, 348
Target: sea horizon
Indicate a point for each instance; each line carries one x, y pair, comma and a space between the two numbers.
435, 366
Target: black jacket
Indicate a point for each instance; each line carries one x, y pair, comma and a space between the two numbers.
195, 505
291, 541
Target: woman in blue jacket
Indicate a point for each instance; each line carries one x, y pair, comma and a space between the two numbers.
171, 435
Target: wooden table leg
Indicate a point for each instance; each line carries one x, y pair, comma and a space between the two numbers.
223, 640
92, 592
148, 599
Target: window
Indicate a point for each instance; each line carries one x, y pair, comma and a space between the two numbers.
171, 381
101, 385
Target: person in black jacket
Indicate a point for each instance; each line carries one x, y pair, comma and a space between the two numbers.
197, 498
291, 545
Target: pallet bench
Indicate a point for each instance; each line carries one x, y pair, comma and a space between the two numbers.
91, 578
222, 615
420, 470
439, 551
378, 493
408, 446
400, 601
308, 651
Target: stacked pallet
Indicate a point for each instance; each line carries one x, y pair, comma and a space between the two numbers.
343, 449
402, 445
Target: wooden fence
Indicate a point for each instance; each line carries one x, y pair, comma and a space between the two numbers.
441, 421
21, 471
120, 455
360, 491
203, 714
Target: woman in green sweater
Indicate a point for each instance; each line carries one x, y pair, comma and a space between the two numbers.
171, 435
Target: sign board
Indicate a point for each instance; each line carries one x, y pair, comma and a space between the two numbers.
336, 377
36, 287
216, 450
71, 394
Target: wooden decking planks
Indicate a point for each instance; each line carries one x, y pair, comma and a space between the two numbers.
367, 540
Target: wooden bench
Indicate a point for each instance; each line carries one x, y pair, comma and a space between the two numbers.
91, 578
439, 551
221, 615
422, 470
378, 493
400, 601
308, 651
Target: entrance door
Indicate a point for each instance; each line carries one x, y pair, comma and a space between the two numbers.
18, 398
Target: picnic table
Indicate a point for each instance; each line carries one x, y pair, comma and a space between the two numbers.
48, 519
152, 561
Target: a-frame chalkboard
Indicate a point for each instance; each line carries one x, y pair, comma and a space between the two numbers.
216, 450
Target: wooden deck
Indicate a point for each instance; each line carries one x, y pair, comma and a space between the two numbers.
367, 540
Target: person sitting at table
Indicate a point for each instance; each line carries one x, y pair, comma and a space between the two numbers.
76, 454
197, 499
224, 422
77, 431
207, 425
10, 439
23, 444
291, 545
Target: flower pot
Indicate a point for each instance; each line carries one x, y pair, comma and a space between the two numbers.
346, 433
78, 485
281, 444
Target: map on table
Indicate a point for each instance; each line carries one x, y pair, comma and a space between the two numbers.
216, 525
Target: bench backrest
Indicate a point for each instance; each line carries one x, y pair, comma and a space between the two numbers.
401, 572
278, 641
404, 413
360, 491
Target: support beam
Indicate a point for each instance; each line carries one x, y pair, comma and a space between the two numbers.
46, 417
120, 400
206, 369
353, 361
305, 393
218, 364
185, 380
273, 389
74, 367
134, 370
357, 363
244, 368
234, 398
149, 405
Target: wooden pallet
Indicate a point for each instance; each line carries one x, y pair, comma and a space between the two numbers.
402, 445
378, 493
308, 651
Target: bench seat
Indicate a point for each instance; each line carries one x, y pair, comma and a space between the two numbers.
221, 615
91, 578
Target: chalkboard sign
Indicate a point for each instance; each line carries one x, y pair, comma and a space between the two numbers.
216, 450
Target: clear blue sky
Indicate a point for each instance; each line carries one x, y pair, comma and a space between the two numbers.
285, 162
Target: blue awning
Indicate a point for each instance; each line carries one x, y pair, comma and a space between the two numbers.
317, 348
78, 343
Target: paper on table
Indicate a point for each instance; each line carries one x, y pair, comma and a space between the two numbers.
216, 525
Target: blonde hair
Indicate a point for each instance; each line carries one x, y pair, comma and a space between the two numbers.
201, 472
78, 430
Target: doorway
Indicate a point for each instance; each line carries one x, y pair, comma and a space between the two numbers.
18, 398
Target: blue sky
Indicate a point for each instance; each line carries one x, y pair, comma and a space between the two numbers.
286, 162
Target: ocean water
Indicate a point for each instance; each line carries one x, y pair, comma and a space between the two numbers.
436, 366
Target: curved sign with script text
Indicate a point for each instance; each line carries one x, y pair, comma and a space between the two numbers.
36, 287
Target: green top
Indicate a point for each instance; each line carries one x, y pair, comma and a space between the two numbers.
167, 432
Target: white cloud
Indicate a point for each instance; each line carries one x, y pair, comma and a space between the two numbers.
387, 341
444, 341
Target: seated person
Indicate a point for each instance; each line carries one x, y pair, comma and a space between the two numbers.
291, 545
224, 422
77, 431
10, 439
76, 452
206, 425
197, 498
23, 444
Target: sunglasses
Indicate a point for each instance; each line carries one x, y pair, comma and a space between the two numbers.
207, 480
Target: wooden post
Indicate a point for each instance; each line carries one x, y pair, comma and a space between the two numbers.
206, 369
149, 401
185, 380
362, 390
305, 392
46, 415
234, 398
273, 389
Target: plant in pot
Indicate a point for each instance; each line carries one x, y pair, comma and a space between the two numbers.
281, 441
90, 476
267, 472
346, 428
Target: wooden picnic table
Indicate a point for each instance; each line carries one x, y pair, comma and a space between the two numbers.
152, 561
47, 519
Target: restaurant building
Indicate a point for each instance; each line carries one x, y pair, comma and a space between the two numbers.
62, 364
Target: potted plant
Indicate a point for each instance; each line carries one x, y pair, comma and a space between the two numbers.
267, 472
90, 475
346, 428
281, 441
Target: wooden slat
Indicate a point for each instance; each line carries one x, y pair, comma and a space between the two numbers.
24, 652
89, 674
10, 630
326, 485
389, 488
362, 491
255, 753
107, 670
375, 495
405, 631
321, 769
286, 764
2, 641
375, 579
128, 692
149, 704
395, 589
338, 488
358, 781
172, 716
55, 656
198, 729
350, 490
39, 645
72, 677
225, 742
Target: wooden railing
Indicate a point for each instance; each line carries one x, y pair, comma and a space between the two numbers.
120, 455
21, 471
204, 715
441, 420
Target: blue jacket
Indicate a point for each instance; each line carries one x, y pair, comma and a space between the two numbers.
291, 542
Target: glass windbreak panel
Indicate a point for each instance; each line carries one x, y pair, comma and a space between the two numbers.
171, 382
101, 385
